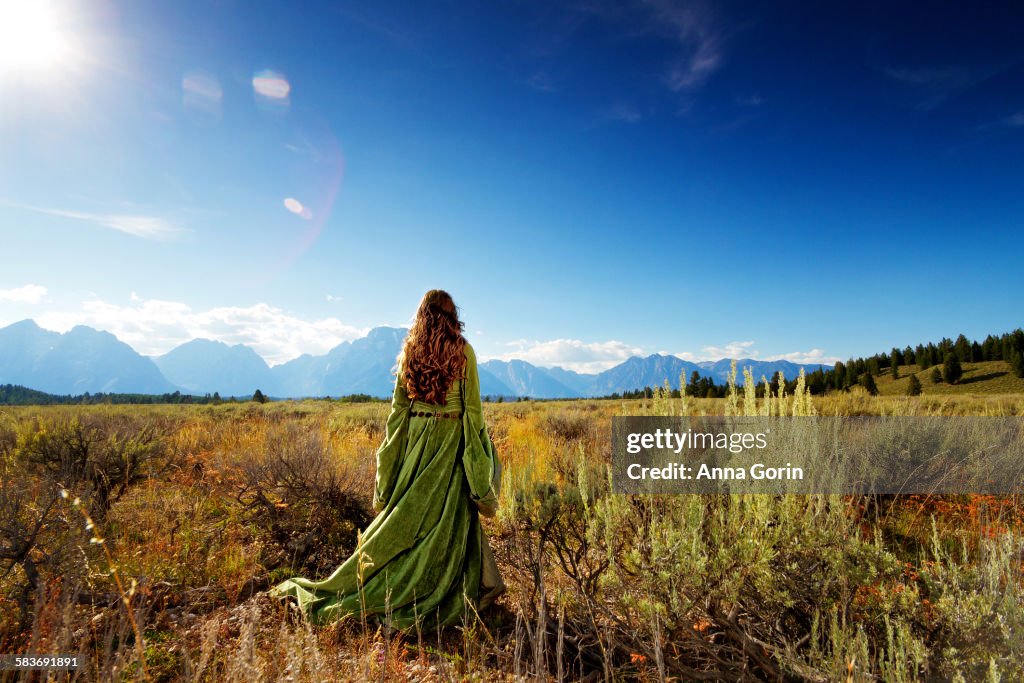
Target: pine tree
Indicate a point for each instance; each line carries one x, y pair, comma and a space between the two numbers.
924, 359
851, 375
908, 356
868, 382
895, 371
914, 388
839, 376
694, 385
1018, 364
259, 397
962, 348
990, 348
936, 375
952, 370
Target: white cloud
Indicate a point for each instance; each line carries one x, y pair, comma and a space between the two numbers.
572, 354
28, 294
153, 327
138, 225
745, 349
594, 357
804, 357
735, 349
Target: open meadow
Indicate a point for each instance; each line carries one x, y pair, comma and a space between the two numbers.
143, 537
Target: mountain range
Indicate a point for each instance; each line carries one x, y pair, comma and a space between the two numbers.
87, 360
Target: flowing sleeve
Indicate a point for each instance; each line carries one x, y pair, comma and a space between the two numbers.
390, 452
480, 460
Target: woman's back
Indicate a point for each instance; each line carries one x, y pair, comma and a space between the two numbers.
455, 397
425, 554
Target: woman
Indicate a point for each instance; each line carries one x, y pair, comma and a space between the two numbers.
425, 555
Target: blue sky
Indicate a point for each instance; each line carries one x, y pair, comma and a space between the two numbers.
590, 180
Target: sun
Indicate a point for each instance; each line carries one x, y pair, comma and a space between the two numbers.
31, 38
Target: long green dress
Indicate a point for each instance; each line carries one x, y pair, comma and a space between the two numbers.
425, 554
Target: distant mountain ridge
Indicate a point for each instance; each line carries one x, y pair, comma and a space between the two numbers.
77, 361
199, 364
87, 360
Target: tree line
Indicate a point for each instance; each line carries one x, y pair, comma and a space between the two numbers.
17, 395
14, 394
945, 358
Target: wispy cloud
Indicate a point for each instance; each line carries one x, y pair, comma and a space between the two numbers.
690, 25
542, 82
623, 113
153, 326
692, 71
687, 25
571, 354
946, 76
137, 225
935, 84
1015, 120
27, 294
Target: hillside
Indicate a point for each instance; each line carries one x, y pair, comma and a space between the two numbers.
986, 377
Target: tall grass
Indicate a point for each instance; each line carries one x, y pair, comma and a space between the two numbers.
200, 508
809, 587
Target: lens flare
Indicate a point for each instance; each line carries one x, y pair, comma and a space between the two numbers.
296, 207
271, 90
317, 166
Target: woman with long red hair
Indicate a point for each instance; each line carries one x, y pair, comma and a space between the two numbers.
425, 556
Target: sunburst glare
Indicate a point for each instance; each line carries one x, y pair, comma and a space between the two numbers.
32, 37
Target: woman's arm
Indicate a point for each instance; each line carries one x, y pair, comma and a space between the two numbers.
479, 459
389, 455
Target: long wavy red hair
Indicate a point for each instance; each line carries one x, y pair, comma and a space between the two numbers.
433, 355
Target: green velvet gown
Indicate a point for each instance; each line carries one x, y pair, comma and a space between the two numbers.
425, 555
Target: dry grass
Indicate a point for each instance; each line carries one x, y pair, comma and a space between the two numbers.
220, 502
